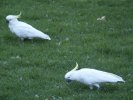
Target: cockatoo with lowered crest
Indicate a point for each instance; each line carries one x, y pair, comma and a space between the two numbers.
91, 77
24, 30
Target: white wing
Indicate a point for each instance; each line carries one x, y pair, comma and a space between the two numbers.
97, 76
25, 30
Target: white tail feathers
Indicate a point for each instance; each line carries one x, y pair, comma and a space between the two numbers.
42, 35
115, 78
120, 79
45, 37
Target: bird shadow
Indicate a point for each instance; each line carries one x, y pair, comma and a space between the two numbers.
15, 40
104, 88
109, 88
34, 41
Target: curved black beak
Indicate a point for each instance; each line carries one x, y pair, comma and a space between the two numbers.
68, 80
7, 21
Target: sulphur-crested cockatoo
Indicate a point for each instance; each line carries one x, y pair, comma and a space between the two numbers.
24, 30
91, 77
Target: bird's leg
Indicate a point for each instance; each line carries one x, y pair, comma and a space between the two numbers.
31, 40
97, 85
91, 87
22, 39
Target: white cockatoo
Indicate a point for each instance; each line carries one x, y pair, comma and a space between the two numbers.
91, 77
24, 30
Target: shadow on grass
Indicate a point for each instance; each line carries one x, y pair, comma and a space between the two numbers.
104, 88
16, 40
35, 40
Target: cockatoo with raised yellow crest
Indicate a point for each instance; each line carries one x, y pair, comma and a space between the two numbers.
91, 77
24, 30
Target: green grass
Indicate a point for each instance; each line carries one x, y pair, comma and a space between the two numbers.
35, 70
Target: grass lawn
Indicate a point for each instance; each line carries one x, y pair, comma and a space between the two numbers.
34, 70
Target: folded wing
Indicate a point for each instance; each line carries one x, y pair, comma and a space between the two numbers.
27, 31
97, 76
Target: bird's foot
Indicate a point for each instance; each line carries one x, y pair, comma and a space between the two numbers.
97, 85
91, 87
22, 39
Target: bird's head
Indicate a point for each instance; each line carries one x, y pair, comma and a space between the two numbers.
70, 75
12, 17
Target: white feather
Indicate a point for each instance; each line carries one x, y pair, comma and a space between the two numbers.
92, 77
24, 30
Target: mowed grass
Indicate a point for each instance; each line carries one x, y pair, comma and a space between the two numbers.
35, 69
